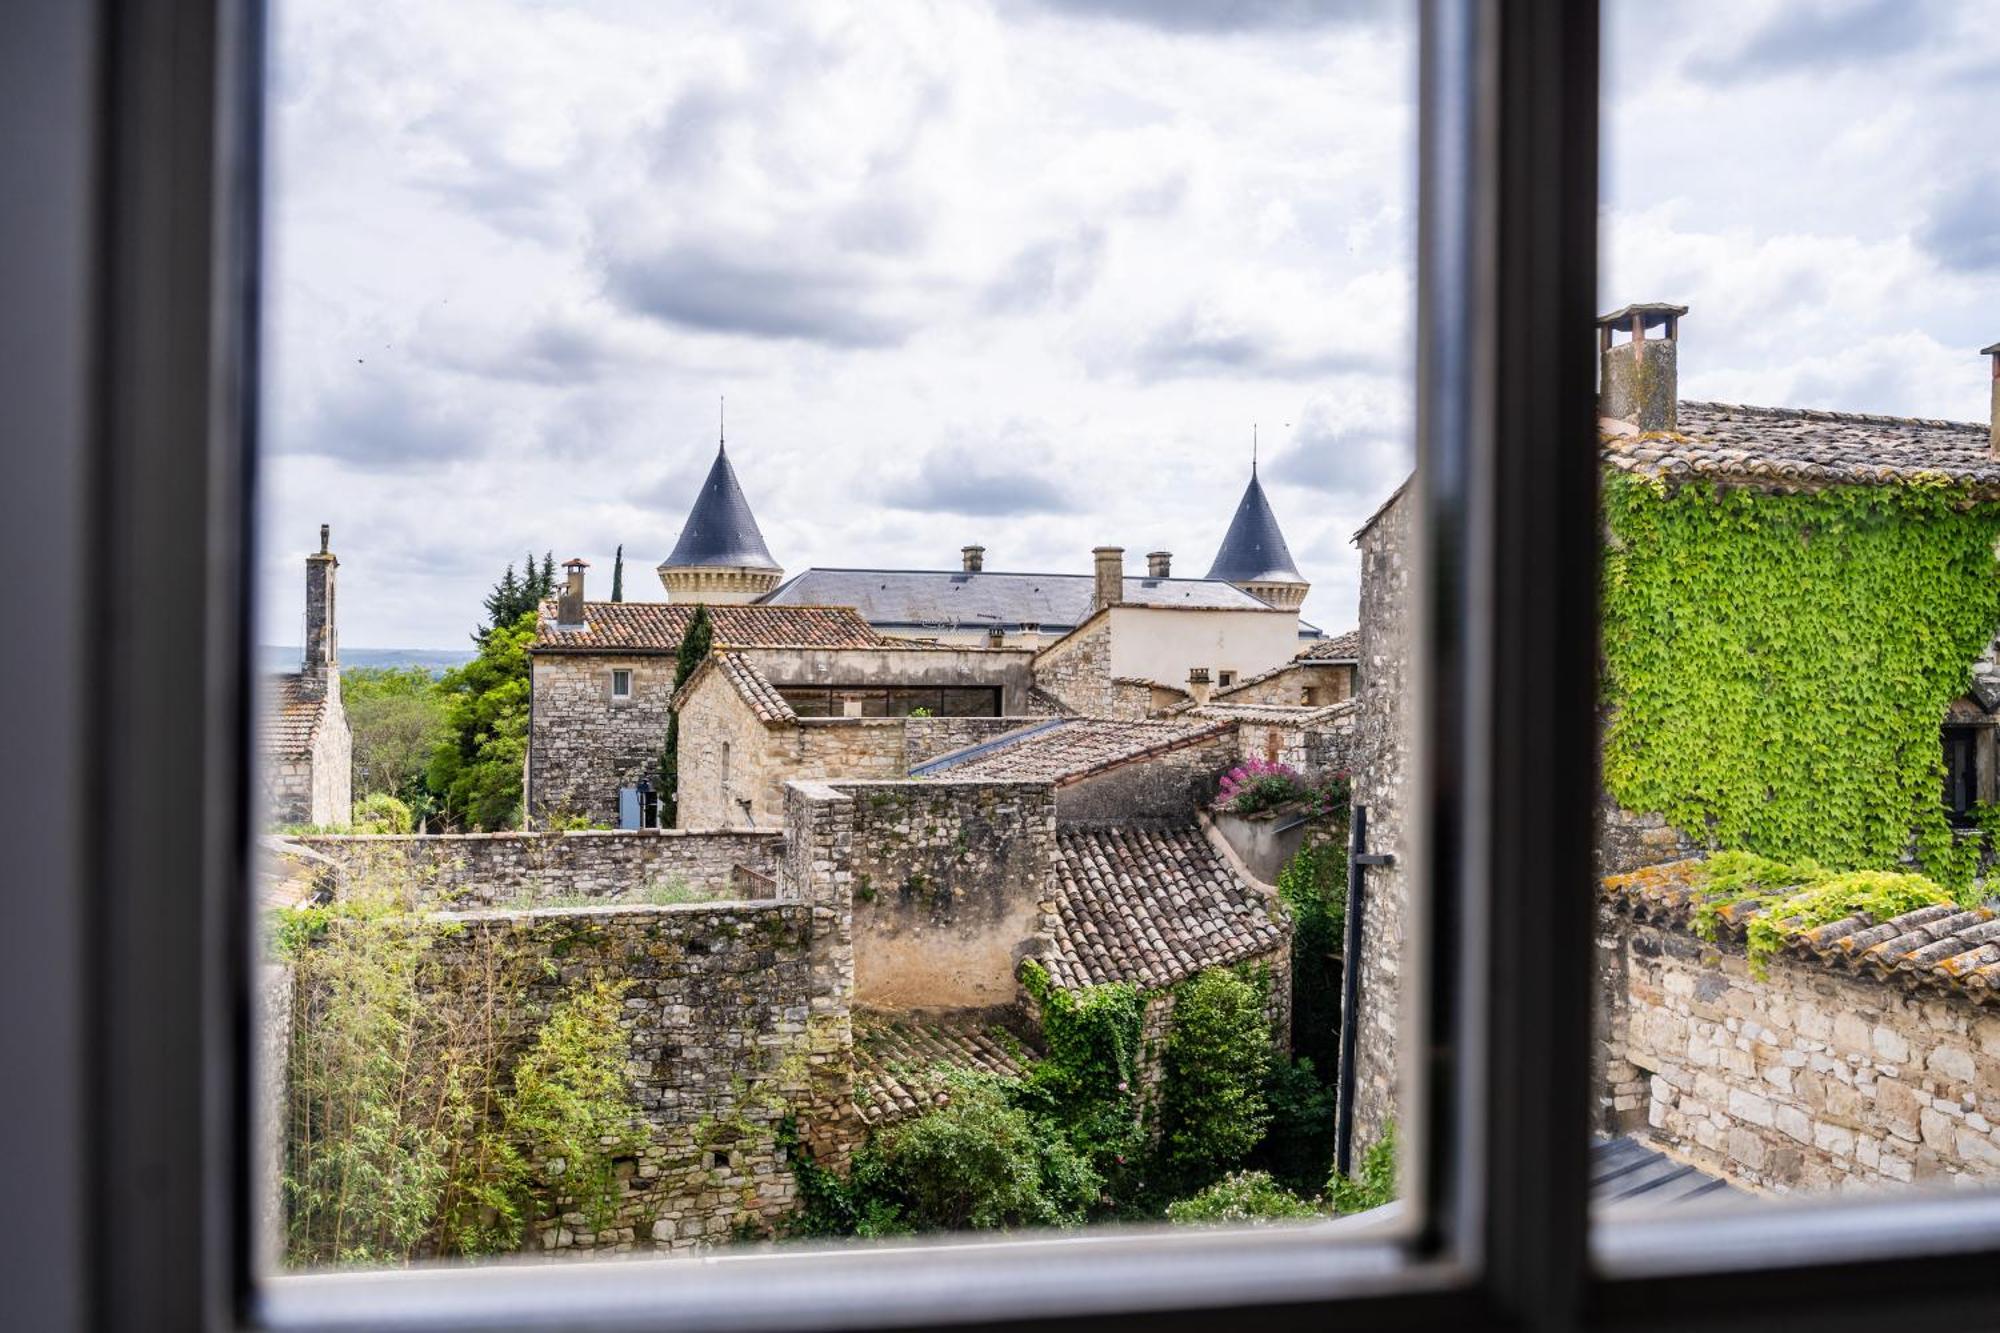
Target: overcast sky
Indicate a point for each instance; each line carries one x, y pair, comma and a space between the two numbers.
1022, 273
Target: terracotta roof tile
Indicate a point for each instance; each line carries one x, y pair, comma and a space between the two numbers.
658, 627
291, 716
1340, 648
1150, 906
1790, 447
901, 1062
1943, 947
1070, 749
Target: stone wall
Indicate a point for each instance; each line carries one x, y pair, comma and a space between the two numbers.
1809, 1080
947, 881
524, 868
1382, 747
1628, 841
726, 1012
908, 665
1077, 670
582, 745
332, 781
925, 738
1316, 744
1326, 683
1170, 786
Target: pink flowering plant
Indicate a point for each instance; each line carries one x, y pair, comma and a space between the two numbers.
1256, 785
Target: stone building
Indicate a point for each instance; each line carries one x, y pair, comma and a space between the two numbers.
1319, 674
307, 750
601, 676
1648, 431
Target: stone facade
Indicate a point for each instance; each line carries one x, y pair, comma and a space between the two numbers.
1382, 749
1007, 671
1303, 683
1169, 785
1808, 1080
1077, 670
1628, 841
488, 869
722, 1003
583, 744
925, 738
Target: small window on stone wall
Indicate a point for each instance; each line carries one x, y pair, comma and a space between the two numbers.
1224, 679
621, 684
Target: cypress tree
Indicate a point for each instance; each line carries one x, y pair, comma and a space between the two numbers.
695, 644
618, 574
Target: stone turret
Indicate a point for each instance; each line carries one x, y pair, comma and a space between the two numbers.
721, 557
1253, 555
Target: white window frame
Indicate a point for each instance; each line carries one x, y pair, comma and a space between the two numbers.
621, 696
134, 261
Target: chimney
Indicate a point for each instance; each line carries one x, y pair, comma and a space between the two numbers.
569, 606
1031, 634
322, 659
1993, 432
1159, 564
1637, 382
996, 637
1110, 577
1198, 684
974, 558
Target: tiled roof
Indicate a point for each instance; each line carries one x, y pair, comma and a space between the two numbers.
657, 627
1799, 447
1254, 550
750, 685
901, 1062
1300, 661
720, 529
1150, 906
1069, 749
291, 716
948, 599
1945, 947
1340, 648
1290, 715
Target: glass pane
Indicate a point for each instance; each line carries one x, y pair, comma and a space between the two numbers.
1801, 603
1066, 347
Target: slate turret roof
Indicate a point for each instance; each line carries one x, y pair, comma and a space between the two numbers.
1254, 550
720, 529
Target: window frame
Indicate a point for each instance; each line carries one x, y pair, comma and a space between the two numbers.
616, 696
137, 1108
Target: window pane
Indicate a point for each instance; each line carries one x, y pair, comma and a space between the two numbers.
1067, 350
1800, 605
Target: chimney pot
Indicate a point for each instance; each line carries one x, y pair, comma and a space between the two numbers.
996, 636
1110, 589
1199, 684
974, 558
1638, 381
1159, 564
1993, 431
569, 606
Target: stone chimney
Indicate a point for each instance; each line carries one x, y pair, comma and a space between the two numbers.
1199, 684
996, 637
569, 604
322, 657
1031, 634
1637, 380
1110, 577
974, 558
1159, 564
1993, 432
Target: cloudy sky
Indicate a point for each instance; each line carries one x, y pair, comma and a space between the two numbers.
1022, 272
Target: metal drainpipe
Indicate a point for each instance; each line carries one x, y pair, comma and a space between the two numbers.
1358, 861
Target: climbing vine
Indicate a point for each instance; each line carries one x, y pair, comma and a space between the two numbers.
1777, 666
1789, 898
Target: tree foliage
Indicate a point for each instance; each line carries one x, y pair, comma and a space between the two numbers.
618, 574
396, 716
1086, 1083
1777, 666
1218, 1055
513, 597
1374, 1184
476, 768
1240, 1197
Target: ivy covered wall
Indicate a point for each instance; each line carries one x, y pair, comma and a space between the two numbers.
1777, 666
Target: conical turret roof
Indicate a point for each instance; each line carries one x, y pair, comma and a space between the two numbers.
720, 529
1253, 550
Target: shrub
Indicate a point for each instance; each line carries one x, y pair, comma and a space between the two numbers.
1241, 1196
1085, 1085
981, 1162
1212, 1108
1298, 1147
1313, 885
1255, 785
1373, 1185
379, 812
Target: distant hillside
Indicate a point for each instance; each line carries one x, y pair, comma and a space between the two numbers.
272, 658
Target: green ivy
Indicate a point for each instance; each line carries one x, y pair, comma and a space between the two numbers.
1212, 1108
1087, 1082
1794, 897
1777, 666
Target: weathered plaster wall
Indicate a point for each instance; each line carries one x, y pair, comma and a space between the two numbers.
947, 881
733, 1029
1168, 786
1381, 768
486, 869
1809, 1080
582, 746
1163, 643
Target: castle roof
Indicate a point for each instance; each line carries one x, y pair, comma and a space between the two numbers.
1150, 906
659, 627
720, 529
1254, 550
948, 599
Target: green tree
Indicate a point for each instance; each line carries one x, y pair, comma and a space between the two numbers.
505, 603
1212, 1108
397, 717
475, 770
980, 1162
618, 574
695, 645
